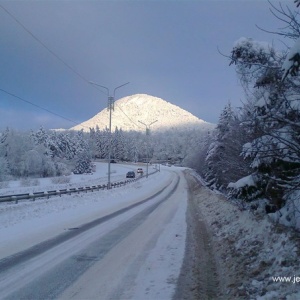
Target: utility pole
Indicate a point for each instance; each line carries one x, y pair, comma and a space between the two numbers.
147, 139
110, 108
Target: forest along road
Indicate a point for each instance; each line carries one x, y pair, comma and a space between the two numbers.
134, 253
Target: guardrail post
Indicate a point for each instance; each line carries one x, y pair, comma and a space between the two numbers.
14, 198
32, 196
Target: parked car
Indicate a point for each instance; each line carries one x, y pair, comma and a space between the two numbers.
130, 174
140, 170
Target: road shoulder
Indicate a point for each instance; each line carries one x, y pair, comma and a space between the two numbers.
233, 253
199, 277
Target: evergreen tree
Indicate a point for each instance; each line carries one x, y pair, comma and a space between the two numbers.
83, 163
83, 154
4, 171
275, 118
223, 161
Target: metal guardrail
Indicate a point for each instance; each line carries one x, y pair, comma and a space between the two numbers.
32, 196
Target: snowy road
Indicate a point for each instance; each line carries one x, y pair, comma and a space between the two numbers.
127, 245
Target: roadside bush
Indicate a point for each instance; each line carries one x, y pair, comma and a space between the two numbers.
3, 169
33, 163
29, 182
62, 169
49, 168
61, 179
4, 184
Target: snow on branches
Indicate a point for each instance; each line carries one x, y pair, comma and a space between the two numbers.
250, 52
292, 62
258, 56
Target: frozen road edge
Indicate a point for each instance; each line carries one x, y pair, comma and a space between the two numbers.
198, 278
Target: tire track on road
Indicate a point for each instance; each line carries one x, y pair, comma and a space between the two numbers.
56, 280
21, 257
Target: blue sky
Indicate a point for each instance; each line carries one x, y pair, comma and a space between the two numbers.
167, 49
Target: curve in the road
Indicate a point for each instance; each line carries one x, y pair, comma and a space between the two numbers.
57, 279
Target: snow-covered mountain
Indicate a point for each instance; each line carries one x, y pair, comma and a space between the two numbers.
130, 111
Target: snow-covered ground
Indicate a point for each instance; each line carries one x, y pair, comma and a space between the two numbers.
257, 258
28, 223
45, 218
118, 173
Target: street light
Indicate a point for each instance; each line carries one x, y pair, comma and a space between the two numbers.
147, 138
110, 107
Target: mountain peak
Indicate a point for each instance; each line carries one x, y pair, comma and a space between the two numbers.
131, 110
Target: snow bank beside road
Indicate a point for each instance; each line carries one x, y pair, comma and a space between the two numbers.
118, 173
252, 252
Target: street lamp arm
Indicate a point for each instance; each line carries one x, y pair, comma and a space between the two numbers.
153, 122
91, 82
119, 87
148, 126
143, 123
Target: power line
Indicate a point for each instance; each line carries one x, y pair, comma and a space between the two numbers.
63, 62
40, 107
57, 57
56, 114
127, 116
47, 48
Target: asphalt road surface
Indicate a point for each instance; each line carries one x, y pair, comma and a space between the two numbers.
112, 257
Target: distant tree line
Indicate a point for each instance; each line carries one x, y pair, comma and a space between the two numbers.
41, 154
45, 153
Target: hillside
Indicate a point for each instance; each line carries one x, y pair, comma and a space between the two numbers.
128, 111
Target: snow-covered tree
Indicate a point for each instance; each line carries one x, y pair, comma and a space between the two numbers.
64, 150
223, 161
83, 154
274, 120
118, 149
257, 63
102, 143
4, 171
83, 163
16, 145
40, 137
33, 163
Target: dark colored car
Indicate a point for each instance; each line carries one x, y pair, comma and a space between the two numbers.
130, 174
